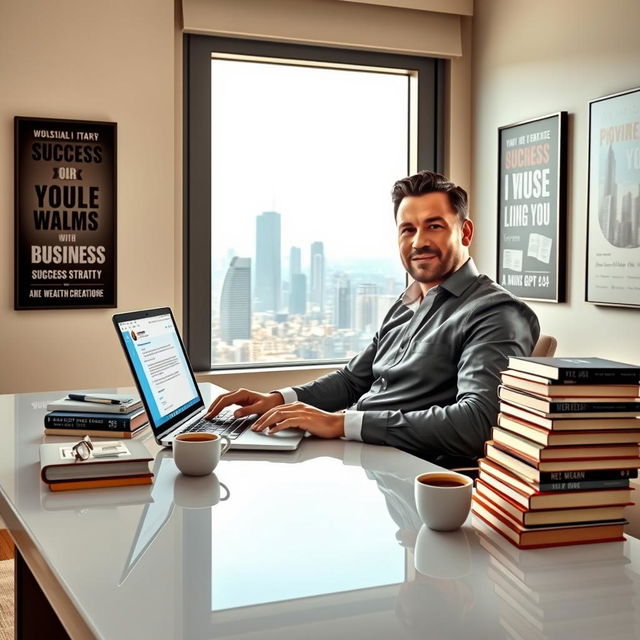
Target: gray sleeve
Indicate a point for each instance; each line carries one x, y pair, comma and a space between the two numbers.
509, 329
341, 389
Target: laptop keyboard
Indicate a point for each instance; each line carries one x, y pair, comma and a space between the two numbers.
224, 424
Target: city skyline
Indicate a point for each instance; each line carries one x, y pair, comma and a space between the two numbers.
332, 318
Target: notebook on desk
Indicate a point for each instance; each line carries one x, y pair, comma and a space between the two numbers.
168, 388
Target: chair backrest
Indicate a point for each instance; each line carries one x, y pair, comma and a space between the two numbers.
545, 347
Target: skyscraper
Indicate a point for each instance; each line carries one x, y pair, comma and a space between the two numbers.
298, 294
235, 301
316, 293
342, 308
295, 258
267, 277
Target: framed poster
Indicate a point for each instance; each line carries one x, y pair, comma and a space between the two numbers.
613, 221
65, 214
532, 168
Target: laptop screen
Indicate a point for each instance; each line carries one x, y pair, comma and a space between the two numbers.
160, 366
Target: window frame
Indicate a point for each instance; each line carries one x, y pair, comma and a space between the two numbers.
198, 50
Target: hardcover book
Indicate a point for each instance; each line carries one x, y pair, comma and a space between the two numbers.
545, 387
548, 536
553, 438
563, 471
542, 452
60, 469
66, 404
542, 517
97, 433
578, 370
530, 497
95, 421
569, 405
569, 423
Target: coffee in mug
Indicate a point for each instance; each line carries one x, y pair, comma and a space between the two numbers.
198, 454
443, 499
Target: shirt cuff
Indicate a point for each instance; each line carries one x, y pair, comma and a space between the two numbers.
288, 395
353, 425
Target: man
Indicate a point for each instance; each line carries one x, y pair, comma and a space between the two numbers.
427, 382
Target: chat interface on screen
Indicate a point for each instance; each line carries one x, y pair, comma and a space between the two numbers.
161, 367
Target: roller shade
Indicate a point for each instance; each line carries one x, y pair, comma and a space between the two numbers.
328, 22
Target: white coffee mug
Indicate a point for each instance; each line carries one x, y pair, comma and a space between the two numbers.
198, 454
443, 499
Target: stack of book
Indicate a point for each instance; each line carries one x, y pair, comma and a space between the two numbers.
558, 466
107, 416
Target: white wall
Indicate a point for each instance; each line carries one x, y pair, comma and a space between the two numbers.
534, 58
91, 60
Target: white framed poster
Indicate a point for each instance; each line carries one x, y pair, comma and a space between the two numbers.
613, 222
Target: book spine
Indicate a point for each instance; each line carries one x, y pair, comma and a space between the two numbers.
585, 407
597, 376
551, 477
581, 485
115, 423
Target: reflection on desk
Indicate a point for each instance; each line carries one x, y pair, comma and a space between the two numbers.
563, 592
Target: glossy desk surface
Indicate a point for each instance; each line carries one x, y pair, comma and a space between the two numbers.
323, 542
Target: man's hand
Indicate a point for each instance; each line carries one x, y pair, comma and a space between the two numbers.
298, 415
249, 401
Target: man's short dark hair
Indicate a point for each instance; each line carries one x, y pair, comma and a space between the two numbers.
430, 182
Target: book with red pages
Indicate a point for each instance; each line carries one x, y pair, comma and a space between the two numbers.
569, 406
541, 452
528, 497
548, 536
578, 370
545, 517
544, 387
598, 422
122, 481
561, 470
553, 438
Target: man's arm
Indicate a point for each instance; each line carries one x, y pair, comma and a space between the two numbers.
461, 428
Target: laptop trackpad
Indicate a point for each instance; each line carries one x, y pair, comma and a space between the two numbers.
287, 439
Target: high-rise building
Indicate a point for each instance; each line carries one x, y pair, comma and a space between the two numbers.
298, 294
295, 262
235, 301
342, 307
316, 292
267, 276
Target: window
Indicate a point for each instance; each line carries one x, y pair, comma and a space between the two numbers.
290, 155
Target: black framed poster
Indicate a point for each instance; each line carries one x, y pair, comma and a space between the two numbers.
65, 214
532, 168
613, 226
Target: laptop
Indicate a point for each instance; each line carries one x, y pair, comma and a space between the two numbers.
168, 388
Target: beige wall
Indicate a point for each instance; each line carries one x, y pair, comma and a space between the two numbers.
534, 58
121, 61
96, 61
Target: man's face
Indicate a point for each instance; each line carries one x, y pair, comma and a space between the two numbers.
433, 243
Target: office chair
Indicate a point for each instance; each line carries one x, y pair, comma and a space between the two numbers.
544, 348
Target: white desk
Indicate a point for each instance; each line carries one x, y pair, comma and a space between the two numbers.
323, 543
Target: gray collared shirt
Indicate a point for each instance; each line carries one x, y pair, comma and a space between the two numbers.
427, 382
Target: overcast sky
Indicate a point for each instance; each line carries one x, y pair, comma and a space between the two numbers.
320, 146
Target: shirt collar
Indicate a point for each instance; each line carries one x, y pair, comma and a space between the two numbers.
456, 283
